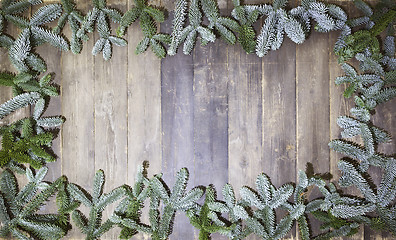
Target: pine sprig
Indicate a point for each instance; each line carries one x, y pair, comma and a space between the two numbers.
34, 33
99, 17
74, 18
246, 19
205, 220
92, 226
223, 25
27, 148
18, 209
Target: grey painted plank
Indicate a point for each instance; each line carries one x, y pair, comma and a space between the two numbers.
210, 115
279, 117
52, 56
383, 118
177, 124
245, 119
279, 114
313, 102
245, 114
144, 106
339, 106
312, 109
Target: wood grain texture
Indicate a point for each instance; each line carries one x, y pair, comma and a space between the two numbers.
77, 104
110, 114
144, 111
279, 114
312, 107
211, 79
279, 117
312, 113
244, 120
210, 115
52, 56
177, 110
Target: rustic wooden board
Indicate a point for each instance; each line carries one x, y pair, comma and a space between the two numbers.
244, 118
52, 56
279, 116
312, 106
383, 119
210, 115
144, 107
144, 111
77, 97
177, 110
110, 114
312, 113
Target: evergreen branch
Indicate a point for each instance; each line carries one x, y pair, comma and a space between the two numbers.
46, 14
177, 26
42, 35
21, 209
18, 102
92, 226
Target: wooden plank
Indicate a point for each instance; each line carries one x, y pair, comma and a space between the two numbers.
111, 124
210, 115
77, 94
144, 112
312, 106
244, 120
279, 114
312, 81
339, 106
244, 116
52, 57
384, 119
144, 107
177, 124
77, 98
279, 117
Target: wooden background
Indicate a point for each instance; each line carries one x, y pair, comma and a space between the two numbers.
225, 115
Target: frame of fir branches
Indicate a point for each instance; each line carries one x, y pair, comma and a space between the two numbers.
28, 140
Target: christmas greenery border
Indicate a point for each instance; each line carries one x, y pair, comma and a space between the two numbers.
28, 140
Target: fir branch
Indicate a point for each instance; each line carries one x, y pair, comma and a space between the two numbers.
92, 226
18, 102
21, 209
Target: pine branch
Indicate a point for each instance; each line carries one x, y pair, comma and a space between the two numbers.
92, 226
19, 212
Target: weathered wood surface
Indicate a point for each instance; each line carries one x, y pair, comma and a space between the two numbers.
225, 115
